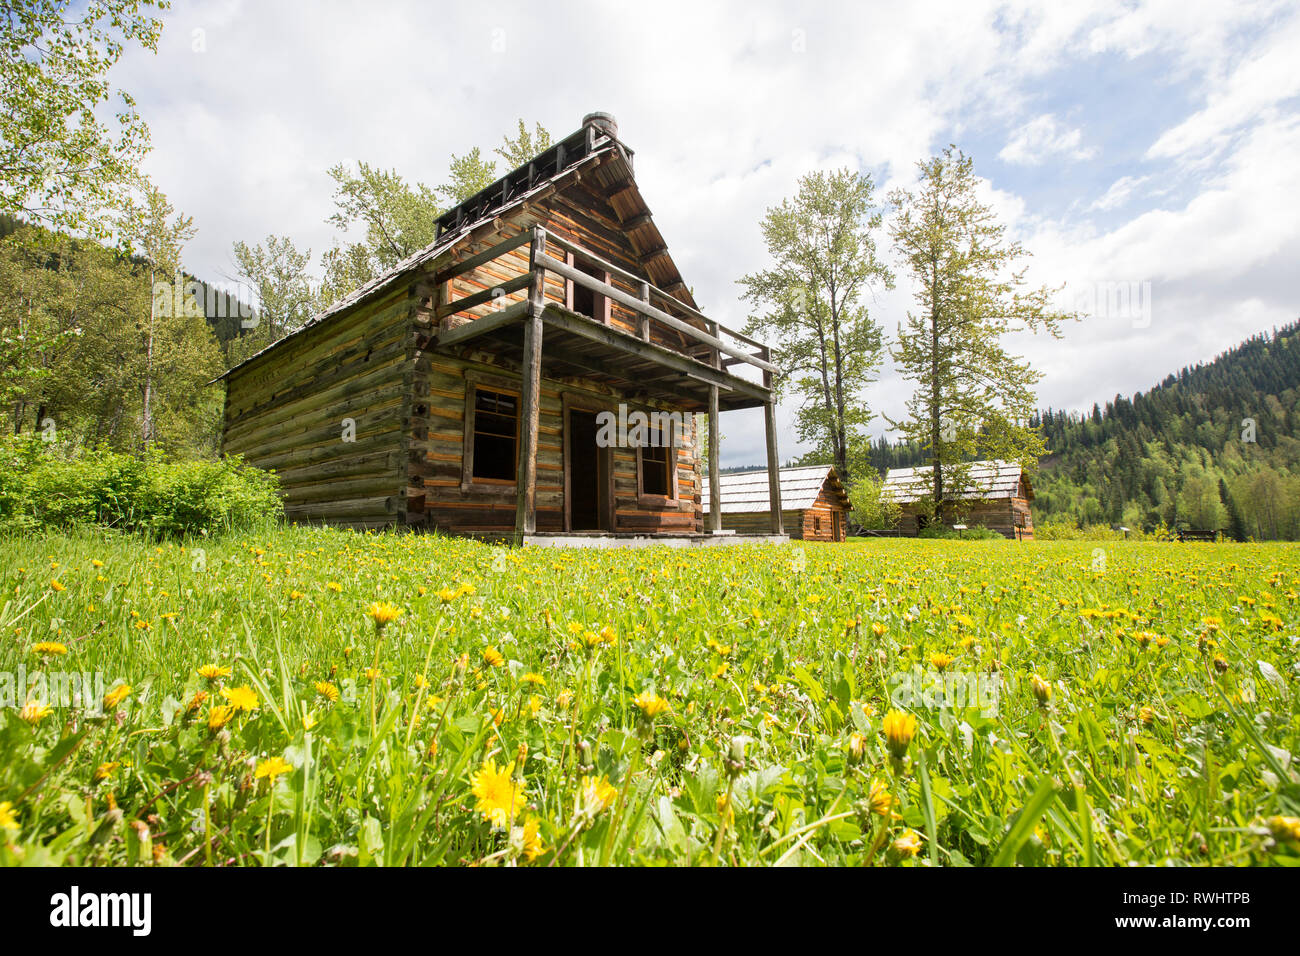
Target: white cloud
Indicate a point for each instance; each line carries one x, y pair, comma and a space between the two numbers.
1118, 194
1044, 138
1251, 92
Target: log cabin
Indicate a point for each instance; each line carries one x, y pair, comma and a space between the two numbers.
814, 502
996, 496
469, 389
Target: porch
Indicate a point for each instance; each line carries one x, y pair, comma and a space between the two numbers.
667, 352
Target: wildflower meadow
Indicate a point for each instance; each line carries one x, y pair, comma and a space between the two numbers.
320, 697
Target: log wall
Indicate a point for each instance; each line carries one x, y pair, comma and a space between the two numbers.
287, 411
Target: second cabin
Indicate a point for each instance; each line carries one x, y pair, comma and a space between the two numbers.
996, 496
537, 369
816, 506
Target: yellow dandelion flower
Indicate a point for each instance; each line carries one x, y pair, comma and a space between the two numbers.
55, 585
116, 695
595, 794
105, 770
273, 767
493, 657
49, 648
241, 698
33, 712
499, 796
879, 799
327, 690
383, 614
219, 716
7, 819
527, 839
651, 704
908, 844
212, 672
531, 678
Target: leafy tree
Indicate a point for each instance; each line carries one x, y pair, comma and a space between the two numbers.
828, 346
468, 175
59, 163
398, 218
278, 273
147, 226
524, 146
972, 397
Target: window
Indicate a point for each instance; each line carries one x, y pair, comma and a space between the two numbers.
583, 300
656, 462
496, 431
817, 524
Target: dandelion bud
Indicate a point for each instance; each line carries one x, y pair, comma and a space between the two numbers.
857, 748
1284, 829
107, 824
735, 762
899, 729
1042, 690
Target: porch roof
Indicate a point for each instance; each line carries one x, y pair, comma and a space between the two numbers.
574, 345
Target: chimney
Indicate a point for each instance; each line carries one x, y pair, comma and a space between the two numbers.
604, 123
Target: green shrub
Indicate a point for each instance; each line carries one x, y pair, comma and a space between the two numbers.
43, 486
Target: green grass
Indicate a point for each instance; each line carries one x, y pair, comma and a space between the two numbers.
1164, 729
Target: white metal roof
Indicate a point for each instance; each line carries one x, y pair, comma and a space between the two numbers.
984, 479
746, 491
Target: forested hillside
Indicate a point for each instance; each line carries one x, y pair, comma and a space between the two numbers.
1215, 446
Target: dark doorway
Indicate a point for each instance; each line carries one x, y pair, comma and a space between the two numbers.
588, 477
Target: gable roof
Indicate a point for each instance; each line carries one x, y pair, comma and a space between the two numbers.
746, 492
986, 479
593, 149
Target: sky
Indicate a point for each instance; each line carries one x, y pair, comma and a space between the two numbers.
1145, 154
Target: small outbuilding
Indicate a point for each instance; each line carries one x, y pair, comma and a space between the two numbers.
996, 495
815, 502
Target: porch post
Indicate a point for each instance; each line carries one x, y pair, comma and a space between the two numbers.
530, 393
715, 475
773, 461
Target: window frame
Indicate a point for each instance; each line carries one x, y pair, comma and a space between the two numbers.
647, 499
474, 383
601, 305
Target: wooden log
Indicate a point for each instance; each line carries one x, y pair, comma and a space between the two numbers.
773, 461
715, 471
530, 389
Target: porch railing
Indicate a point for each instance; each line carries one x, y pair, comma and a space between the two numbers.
645, 302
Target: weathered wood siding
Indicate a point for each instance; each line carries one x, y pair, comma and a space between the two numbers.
437, 490
287, 411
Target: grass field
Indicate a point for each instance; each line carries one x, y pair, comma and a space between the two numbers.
322, 697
